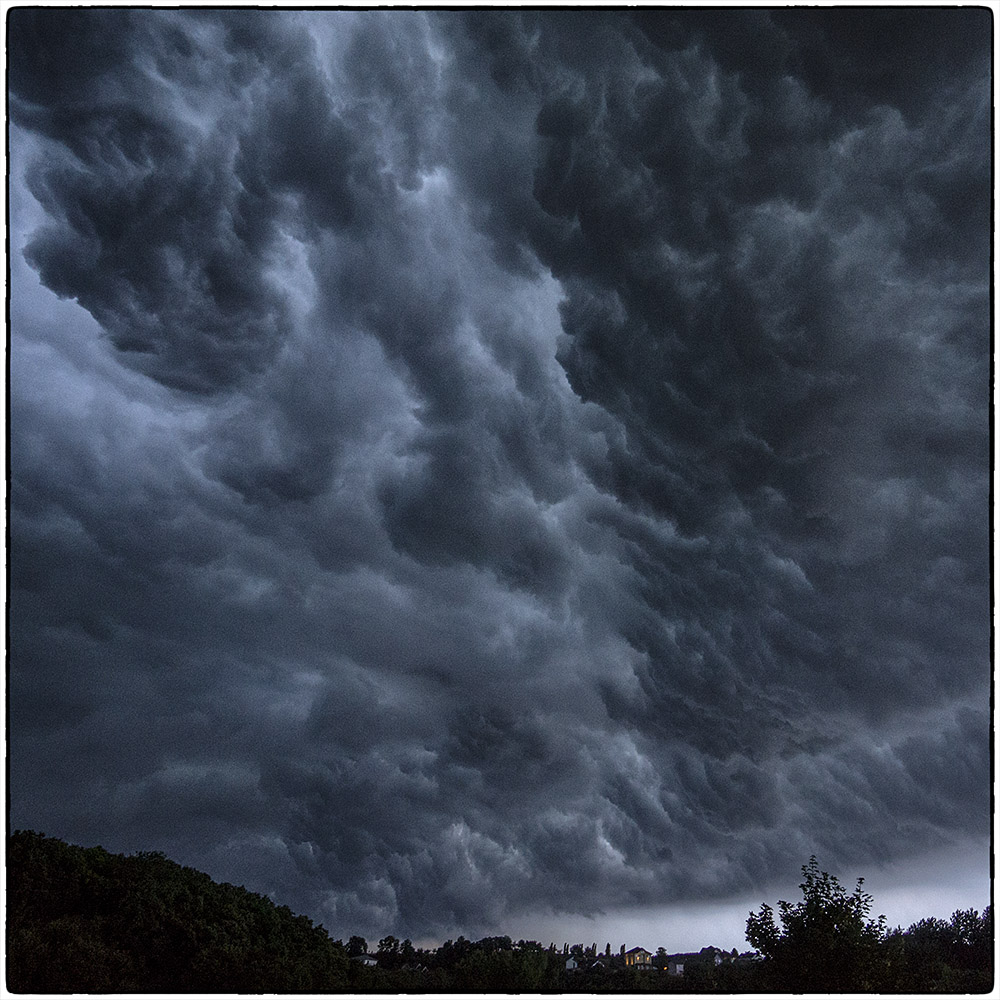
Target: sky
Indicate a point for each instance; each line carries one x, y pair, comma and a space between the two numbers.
505, 471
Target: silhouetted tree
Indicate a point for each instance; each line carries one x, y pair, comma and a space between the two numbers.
945, 956
357, 945
826, 943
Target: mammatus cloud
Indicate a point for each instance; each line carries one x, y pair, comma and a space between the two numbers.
487, 462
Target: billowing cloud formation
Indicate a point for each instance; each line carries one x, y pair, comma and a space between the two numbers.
500, 461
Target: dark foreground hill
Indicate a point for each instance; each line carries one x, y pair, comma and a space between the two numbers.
84, 920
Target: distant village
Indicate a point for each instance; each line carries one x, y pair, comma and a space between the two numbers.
580, 959
662, 961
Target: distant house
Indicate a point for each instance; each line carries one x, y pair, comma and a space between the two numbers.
638, 958
366, 960
675, 968
571, 964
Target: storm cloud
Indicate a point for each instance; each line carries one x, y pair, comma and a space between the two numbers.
469, 464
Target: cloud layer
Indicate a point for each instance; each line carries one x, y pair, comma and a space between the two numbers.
475, 463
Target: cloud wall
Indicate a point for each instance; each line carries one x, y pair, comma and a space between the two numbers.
465, 464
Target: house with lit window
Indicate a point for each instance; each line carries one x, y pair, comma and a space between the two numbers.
638, 958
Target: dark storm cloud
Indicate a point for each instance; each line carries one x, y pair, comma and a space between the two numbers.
540, 461
165, 213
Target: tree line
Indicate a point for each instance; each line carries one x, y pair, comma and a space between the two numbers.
85, 920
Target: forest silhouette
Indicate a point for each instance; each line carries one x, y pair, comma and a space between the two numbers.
84, 920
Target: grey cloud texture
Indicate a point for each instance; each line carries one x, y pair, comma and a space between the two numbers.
472, 463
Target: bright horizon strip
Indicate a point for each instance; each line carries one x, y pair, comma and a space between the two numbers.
933, 885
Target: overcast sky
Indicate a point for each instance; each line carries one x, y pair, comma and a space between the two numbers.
476, 472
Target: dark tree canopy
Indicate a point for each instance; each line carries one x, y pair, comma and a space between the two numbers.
946, 956
828, 943
356, 946
84, 920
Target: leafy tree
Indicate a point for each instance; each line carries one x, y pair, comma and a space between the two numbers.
700, 977
826, 943
357, 945
945, 956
